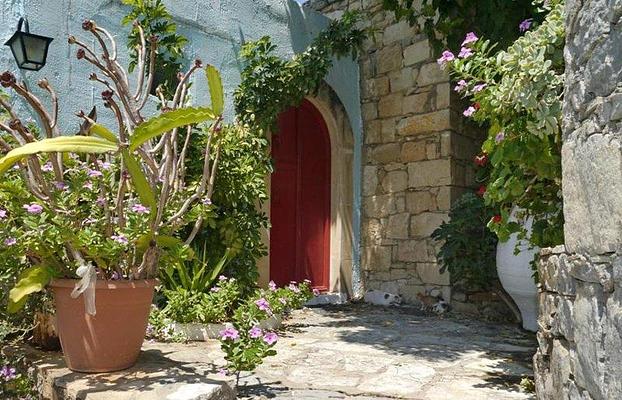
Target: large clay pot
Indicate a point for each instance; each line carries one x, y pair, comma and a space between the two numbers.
111, 339
516, 276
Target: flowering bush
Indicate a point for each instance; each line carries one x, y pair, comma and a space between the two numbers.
14, 382
517, 94
99, 204
245, 342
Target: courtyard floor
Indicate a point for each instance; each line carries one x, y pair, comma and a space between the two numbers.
352, 351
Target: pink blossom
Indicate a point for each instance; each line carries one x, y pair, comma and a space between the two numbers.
33, 208
262, 304
93, 173
469, 111
215, 290
229, 333
140, 209
255, 332
316, 292
3, 213
446, 57
100, 202
207, 202
10, 241
470, 37
120, 238
479, 87
8, 373
272, 286
270, 338
222, 278
465, 52
294, 288
500, 136
462, 84
105, 165
525, 25
60, 185
88, 185
47, 167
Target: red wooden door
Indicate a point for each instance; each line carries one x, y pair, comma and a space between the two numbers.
300, 198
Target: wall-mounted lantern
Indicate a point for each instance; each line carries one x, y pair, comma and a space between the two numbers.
30, 50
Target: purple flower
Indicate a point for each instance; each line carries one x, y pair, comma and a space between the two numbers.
222, 278
11, 241
479, 87
207, 202
3, 213
105, 165
229, 333
500, 136
140, 209
270, 338
446, 57
223, 371
88, 185
8, 373
262, 304
469, 111
470, 37
115, 276
60, 185
462, 84
255, 332
272, 286
465, 52
294, 288
316, 292
33, 208
120, 239
215, 290
525, 25
100, 202
47, 167
93, 173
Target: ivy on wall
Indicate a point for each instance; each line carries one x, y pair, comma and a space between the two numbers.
445, 22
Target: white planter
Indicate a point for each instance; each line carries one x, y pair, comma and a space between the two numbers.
516, 276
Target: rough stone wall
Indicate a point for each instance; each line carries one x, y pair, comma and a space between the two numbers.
580, 337
416, 153
580, 354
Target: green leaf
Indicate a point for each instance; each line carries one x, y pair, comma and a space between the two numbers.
143, 189
103, 132
65, 144
32, 280
215, 89
167, 122
164, 241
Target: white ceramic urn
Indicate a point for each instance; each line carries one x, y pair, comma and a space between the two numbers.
516, 276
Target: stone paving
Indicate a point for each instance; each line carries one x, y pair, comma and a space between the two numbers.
367, 352
352, 351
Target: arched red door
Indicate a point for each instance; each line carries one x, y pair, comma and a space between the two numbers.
300, 198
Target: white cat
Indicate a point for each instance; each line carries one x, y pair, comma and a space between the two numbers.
380, 298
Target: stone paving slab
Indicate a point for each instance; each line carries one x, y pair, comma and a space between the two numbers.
352, 351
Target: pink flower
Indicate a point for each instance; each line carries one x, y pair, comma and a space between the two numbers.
120, 239
462, 84
270, 338
294, 288
469, 111
60, 185
100, 202
316, 292
479, 87
140, 209
93, 173
207, 202
8, 373
446, 57
500, 136
88, 185
105, 165
470, 37
47, 167
33, 208
465, 52
222, 278
3, 214
262, 304
10, 241
525, 25
215, 290
255, 332
229, 334
272, 286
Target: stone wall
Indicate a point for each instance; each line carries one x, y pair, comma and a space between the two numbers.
580, 353
580, 337
416, 153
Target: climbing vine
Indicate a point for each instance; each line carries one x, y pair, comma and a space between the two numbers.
271, 84
446, 22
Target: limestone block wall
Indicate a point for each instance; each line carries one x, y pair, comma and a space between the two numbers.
580, 327
417, 154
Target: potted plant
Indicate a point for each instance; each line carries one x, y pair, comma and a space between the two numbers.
91, 216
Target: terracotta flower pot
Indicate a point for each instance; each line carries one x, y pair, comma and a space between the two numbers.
111, 339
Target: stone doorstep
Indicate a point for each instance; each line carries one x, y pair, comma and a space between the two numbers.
156, 376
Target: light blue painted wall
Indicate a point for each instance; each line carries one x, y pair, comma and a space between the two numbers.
216, 29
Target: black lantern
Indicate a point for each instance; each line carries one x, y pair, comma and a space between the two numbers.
30, 51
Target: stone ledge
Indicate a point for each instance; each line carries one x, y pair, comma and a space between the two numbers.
163, 372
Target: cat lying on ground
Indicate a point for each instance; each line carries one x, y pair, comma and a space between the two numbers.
380, 298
